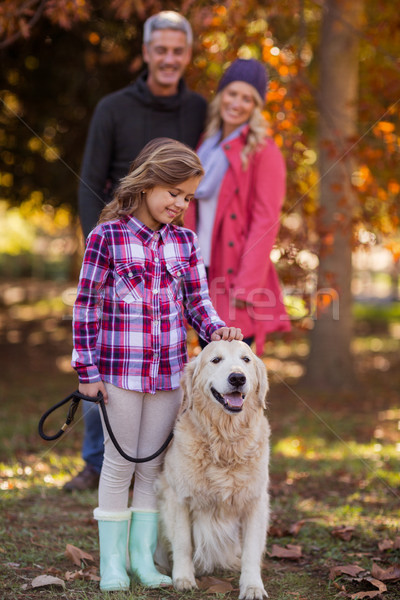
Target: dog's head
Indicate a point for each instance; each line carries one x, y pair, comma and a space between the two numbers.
227, 373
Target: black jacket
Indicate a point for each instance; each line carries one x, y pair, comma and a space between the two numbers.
122, 124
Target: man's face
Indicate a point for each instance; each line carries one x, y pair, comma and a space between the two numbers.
167, 56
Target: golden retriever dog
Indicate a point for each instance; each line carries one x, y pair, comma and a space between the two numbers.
213, 491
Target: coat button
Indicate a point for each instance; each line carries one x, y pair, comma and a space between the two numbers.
231, 244
233, 216
230, 271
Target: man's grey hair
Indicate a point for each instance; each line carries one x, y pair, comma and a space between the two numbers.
167, 19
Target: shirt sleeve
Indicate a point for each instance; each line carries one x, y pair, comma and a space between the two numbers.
88, 307
95, 168
198, 308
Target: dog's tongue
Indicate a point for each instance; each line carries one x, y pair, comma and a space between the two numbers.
235, 399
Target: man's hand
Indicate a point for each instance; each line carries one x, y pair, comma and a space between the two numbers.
227, 333
92, 389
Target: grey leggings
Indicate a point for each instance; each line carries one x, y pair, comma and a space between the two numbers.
141, 423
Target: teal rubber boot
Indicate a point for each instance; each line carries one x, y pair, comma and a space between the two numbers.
142, 545
113, 538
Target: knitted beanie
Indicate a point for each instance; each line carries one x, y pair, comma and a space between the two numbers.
249, 70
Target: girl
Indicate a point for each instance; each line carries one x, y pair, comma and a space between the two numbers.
238, 204
141, 272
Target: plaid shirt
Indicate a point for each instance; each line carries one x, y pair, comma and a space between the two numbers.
135, 286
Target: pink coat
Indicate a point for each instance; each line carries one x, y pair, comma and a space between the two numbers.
245, 228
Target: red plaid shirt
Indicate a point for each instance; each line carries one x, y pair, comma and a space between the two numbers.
135, 286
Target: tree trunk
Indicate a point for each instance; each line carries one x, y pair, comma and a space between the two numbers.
330, 363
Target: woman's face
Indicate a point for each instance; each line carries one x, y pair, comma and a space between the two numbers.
237, 105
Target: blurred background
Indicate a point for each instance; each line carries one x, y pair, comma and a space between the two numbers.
333, 105
339, 244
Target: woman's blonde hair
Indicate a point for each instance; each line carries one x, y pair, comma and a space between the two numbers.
257, 124
162, 162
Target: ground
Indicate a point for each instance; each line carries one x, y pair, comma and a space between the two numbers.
335, 484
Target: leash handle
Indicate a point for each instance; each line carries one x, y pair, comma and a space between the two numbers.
68, 420
75, 398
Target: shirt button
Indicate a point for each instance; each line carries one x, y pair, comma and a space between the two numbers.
156, 260
179, 273
156, 323
231, 244
227, 146
230, 271
130, 274
155, 291
155, 355
233, 216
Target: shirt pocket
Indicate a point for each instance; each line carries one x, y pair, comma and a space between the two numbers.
129, 281
175, 275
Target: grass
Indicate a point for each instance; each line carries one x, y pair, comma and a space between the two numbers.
335, 463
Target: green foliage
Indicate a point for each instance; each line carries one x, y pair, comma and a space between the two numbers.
386, 313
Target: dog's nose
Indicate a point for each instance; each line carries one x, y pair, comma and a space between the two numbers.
237, 379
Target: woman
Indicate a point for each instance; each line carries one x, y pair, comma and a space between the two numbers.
238, 204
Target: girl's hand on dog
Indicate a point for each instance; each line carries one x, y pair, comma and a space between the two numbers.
92, 389
227, 333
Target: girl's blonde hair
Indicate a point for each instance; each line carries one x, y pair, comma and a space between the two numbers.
162, 162
257, 125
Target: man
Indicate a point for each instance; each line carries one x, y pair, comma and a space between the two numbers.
156, 104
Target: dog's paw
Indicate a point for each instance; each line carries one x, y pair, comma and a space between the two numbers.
183, 584
252, 592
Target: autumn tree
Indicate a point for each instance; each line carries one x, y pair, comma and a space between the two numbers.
330, 361
333, 96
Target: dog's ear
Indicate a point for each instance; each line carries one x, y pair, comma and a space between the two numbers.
262, 381
187, 383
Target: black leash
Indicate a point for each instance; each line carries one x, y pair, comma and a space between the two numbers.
75, 398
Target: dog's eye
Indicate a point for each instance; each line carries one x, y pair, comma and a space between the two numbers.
216, 360
246, 359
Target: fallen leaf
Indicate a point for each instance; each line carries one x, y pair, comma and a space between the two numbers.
77, 555
214, 585
390, 574
88, 574
291, 552
360, 595
280, 530
339, 586
54, 571
344, 533
379, 584
371, 593
352, 570
220, 588
295, 527
385, 545
277, 531
46, 580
